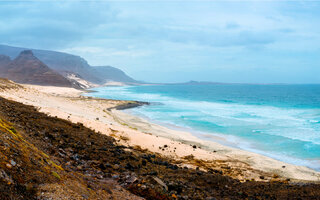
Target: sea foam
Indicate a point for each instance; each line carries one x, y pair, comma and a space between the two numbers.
287, 130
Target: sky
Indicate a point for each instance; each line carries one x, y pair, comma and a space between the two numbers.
176, 41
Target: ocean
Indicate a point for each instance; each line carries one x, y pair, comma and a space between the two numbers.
279, 121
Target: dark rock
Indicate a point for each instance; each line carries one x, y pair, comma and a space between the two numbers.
175, 187
152, 173
199, 172
129, 167
102, 166
144, 162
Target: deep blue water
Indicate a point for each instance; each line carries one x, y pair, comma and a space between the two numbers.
280, 121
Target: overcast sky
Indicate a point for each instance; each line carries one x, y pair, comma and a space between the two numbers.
174, 41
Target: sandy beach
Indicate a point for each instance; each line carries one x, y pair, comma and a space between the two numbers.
129, 130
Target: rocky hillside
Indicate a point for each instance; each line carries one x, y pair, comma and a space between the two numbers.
28, 69
65, 63
28, 169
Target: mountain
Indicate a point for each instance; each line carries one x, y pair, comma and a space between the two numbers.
66, 64
112, 74
27, 68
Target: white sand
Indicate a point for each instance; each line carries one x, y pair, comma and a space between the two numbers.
67, 103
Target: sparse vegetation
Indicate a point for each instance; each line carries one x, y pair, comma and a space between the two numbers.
124, 138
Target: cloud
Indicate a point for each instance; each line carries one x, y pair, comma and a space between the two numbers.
232, 25
50, 24
63, 24
192, 35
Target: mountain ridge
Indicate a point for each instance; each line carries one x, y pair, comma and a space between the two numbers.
65, 63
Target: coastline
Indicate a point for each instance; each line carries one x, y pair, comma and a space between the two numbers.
228, 141
186, 149
211, 151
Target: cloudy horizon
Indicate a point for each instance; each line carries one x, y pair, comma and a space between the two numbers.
174, 41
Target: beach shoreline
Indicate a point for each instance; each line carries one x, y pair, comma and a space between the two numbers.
233, 142
101, 115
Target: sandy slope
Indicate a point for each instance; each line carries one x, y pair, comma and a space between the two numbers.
68, 103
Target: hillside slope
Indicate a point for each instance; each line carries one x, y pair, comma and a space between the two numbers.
32, 165
28, 69
112, 74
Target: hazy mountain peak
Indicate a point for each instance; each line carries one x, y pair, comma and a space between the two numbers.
27, 55
26, 52
27, 68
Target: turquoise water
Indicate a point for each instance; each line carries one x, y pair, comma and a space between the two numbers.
280, 121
